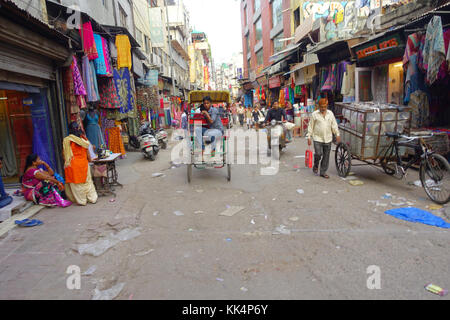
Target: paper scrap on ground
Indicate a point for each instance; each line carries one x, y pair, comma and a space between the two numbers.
231, 211
356, 182
298, 157
244, 289
293, 219
435, 207
158, 174
144, 253
109, 294
90, 271
101, 246
300, 191
178, 213
282, 230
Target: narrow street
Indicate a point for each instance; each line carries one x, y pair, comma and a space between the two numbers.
332, 233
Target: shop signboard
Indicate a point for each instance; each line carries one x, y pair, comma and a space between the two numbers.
274, 82
385, 47
156, 27
151, 78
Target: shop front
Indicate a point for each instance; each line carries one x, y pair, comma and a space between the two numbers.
31, 119
379, 72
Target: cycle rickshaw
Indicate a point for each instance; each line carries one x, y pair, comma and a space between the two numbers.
220, 160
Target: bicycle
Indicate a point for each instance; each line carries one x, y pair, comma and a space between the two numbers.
433, 169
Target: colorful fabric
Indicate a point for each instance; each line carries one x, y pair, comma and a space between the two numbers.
108, 95
122, 82
89, 80
434, 49
412, 46
68, 88
79, 88
330, 82
100, 65
123, 51
88, 41
115, 141
109, 70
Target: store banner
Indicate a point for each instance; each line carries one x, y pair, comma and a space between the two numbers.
274, 82
382, 48
151, 78
156, 27
206, 75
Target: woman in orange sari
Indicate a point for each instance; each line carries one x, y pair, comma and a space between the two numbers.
80, 188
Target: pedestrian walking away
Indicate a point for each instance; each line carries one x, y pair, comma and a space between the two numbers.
321, 128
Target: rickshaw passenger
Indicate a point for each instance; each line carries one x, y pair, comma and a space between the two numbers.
215, 130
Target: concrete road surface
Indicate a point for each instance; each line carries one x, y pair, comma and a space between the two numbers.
333, 241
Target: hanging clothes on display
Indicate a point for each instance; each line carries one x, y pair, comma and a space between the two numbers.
124, 59
100, 65
87, 34
434, 49
108, 95
93, 131
122, 82
79, 88
88, 78
115, 141
109, 70
330, 82
348, 83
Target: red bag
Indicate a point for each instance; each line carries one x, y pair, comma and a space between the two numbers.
309, 158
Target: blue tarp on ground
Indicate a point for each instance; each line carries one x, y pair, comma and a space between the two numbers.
418, 215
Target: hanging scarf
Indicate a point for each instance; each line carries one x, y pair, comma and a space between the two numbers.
67, 150
123, 51
88, 41
79, 89
88, 78
100, 65
108, 95
434, 49
109, 70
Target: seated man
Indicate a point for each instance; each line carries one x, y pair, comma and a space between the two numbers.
215, 129
5, 199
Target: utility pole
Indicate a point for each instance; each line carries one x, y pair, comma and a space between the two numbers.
170, 49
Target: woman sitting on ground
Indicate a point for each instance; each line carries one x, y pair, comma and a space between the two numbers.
40, 186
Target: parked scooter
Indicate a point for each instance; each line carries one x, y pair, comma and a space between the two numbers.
149, 145
163, 138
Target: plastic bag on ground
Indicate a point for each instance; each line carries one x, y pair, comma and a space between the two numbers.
108, 294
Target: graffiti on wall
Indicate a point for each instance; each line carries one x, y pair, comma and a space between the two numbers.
343, 18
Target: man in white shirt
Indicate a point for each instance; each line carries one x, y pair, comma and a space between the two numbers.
321, 127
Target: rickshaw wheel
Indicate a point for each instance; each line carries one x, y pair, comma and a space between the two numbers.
229, 172
343, 159
189, 172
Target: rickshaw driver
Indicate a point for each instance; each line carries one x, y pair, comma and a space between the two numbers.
215, 130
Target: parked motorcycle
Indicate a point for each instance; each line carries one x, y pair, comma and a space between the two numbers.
163, 138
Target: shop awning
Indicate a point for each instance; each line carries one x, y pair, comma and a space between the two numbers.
309, 59
284, 53
304, 28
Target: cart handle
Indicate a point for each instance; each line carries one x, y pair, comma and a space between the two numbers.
409, 139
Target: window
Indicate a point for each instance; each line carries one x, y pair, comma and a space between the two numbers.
296, 18
256, 5
245, 16
277, 12
147, 44
123, 17
247, 40
258, 30
104, 3
139, 36
259, 58
277, 44
152, 3
249, 65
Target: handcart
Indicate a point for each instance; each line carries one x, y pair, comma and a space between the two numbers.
378, 135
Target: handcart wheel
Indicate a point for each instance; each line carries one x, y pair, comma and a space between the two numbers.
343, 160
229, 172
189, 172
